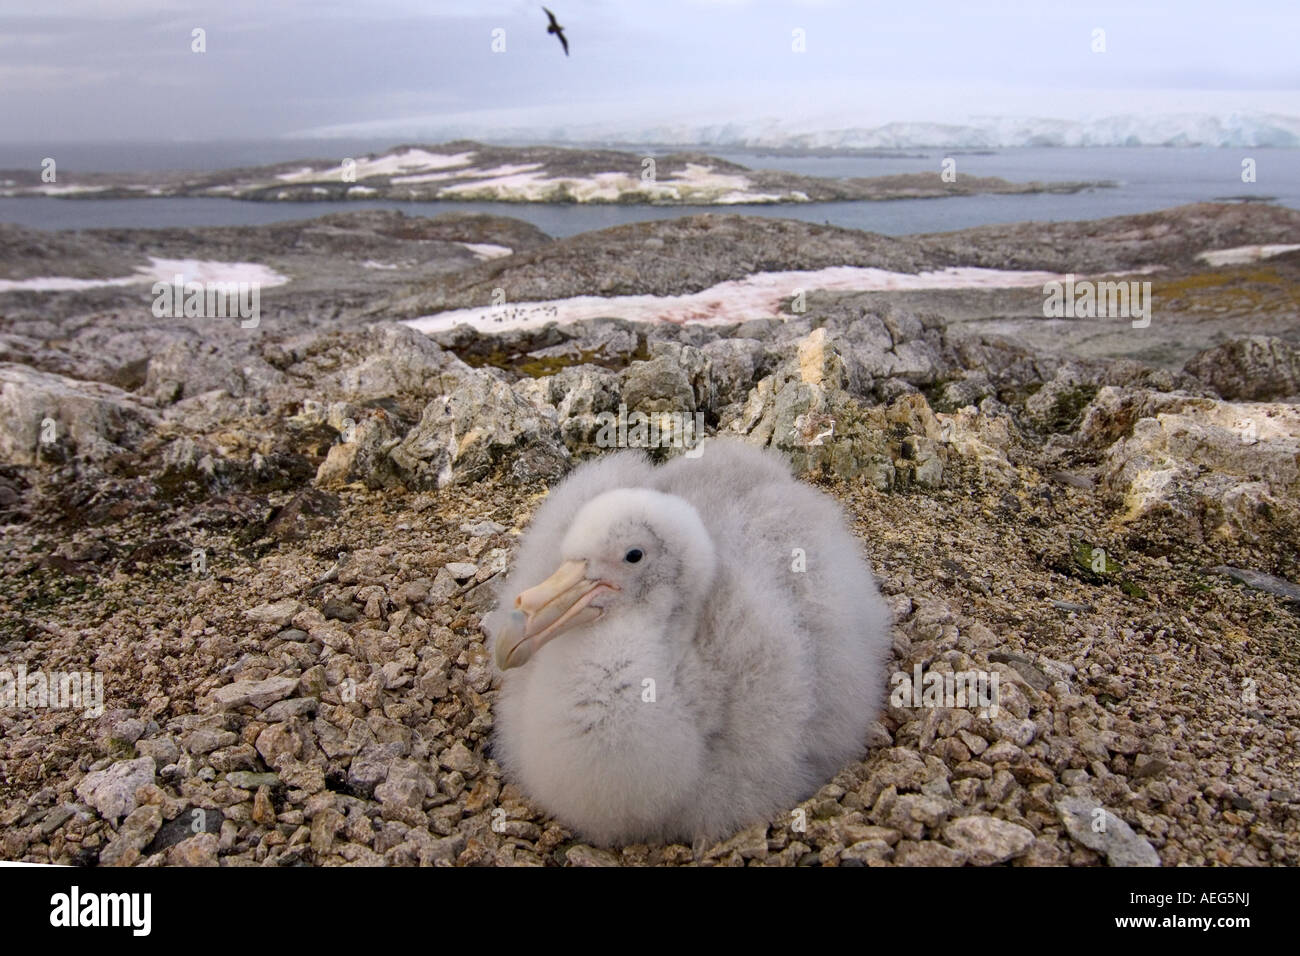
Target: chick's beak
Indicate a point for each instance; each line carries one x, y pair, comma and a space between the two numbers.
559, 603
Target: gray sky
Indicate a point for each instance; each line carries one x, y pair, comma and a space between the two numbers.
123, 69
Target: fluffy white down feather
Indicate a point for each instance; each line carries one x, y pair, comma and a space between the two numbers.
765, 677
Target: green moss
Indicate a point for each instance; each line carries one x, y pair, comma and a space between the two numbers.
542, 367
1240, 290
1131, 589
1096, 566
1088, 558
1068, 407
532, 367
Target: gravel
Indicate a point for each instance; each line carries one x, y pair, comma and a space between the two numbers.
316, 689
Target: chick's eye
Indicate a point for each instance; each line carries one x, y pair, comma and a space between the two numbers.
633, 556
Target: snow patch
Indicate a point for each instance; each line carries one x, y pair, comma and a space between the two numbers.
69, 190
526, 183
393, 164
158, 270
1239, 255
305, 172
487, 250
759, 296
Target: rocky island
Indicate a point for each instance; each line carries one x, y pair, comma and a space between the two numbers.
470, 171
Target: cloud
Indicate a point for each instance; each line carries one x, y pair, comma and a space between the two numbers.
312, 64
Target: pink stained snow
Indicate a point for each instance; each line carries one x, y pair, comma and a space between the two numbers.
759, 296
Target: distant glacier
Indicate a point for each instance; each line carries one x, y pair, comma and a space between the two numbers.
1242, 130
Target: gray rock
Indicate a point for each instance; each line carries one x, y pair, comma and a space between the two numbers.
287, 709
369, 768
117, 731
583, 855
133, 836
340, 609
278, 742
111, 791
162, 749
87, 420
193, 365
193, 820
399, 363
57, 817
912, 812
406, 785
1261, 581
429, 850
248, 780
987, 840
198, 850
1255, 369
204, 741
366, 436
675, 379
259, 694
1100, 830
460, 758
482, 528
735, 365
1217, 468
481, 427
867, 853
927, 853
279, 613
582, 395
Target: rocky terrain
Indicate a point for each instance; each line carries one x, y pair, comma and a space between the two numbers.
470, 171
275, 543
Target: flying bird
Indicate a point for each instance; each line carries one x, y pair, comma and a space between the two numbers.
554, 27
684, 650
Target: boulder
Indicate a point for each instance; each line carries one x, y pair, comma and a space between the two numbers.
1221, 468
48, 417
482, 426
1258, 369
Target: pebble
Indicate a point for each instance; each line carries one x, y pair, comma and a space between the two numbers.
133, 836
112, 791
278, 614
259, 694
462, 570
583, 855
1099, 829
198, 850
929, 853
248, 780
278, 742
986, 841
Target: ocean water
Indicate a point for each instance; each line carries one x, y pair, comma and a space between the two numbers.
1147, 179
